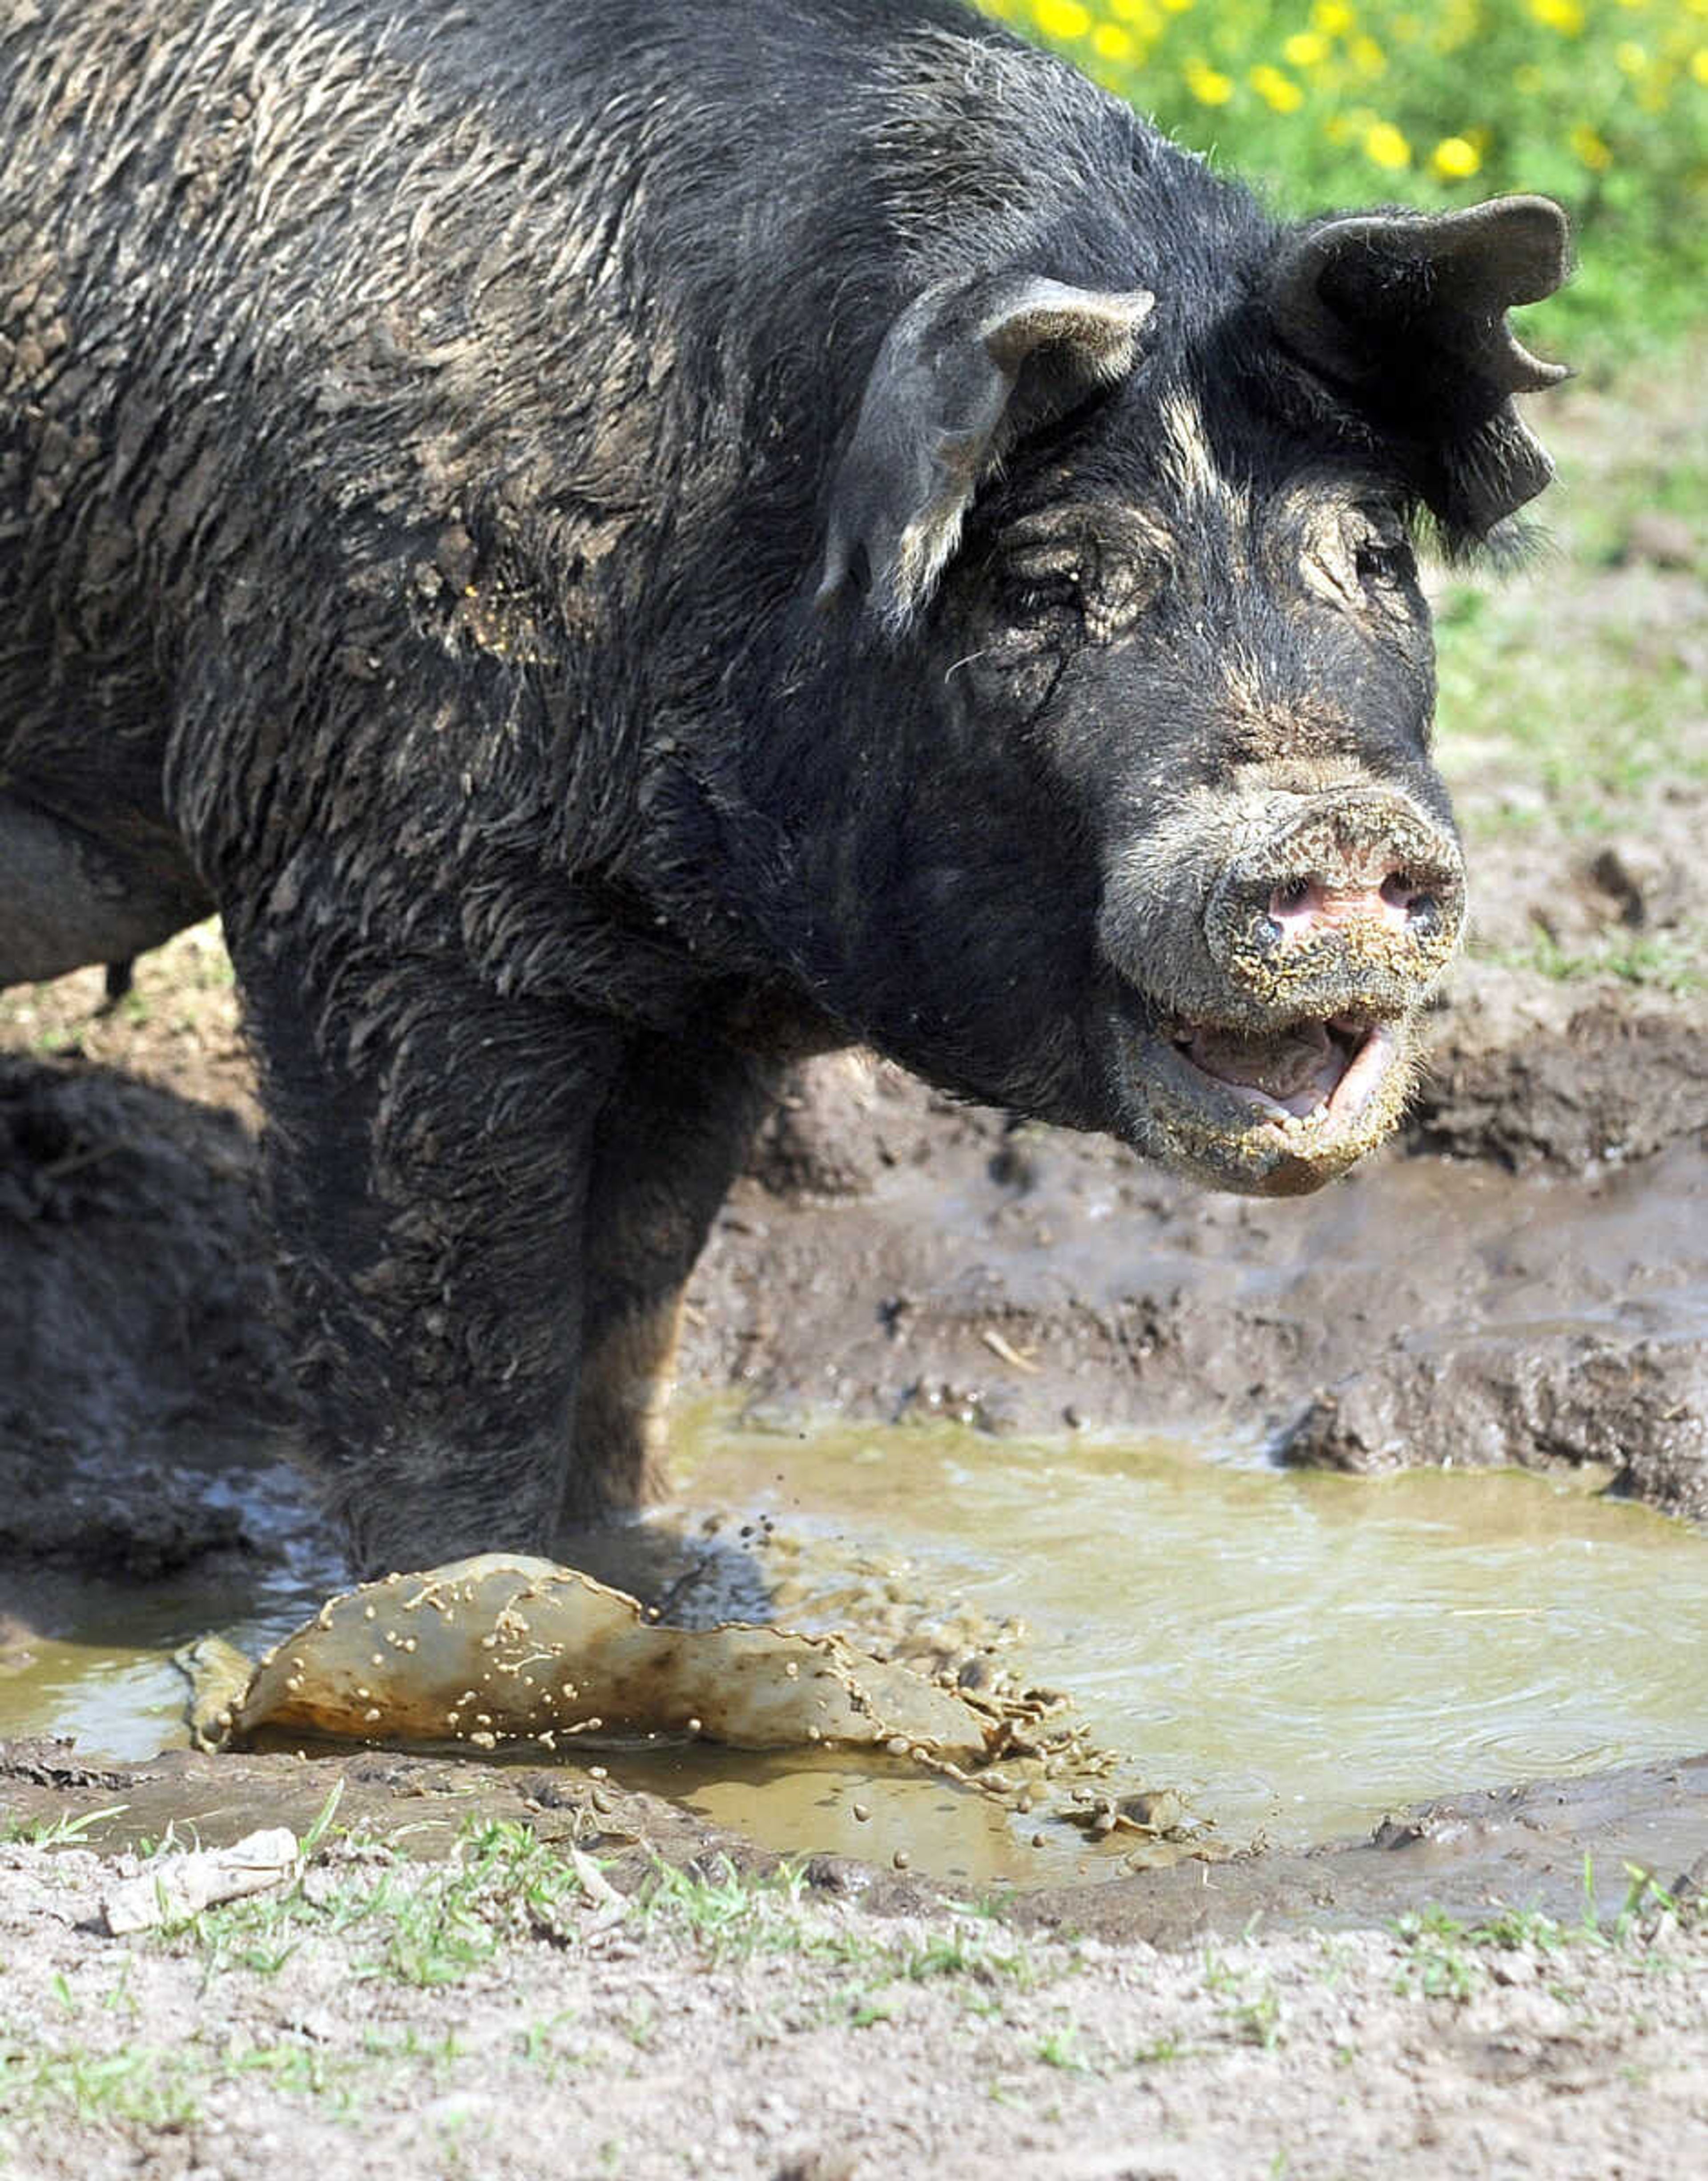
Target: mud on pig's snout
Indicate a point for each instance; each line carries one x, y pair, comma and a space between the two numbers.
1272, 1035
1352, 903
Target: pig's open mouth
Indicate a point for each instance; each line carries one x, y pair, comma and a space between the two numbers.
1274, 1112
1282, 1111
1312, 1072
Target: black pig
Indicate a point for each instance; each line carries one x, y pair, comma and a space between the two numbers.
620, 546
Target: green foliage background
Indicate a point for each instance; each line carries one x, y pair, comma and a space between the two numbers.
1601, 103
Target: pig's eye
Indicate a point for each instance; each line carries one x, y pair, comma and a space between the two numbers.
1034, 588
1040, 601
1385, 562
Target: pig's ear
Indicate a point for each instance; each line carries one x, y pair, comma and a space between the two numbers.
1404, 316
963, 372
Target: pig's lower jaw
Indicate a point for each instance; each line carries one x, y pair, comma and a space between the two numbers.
1271, 1115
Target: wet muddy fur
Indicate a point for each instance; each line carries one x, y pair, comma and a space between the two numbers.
620, 548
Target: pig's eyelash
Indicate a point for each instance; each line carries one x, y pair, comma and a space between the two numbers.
1378, 561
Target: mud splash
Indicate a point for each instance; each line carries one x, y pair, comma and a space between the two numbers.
501, 1649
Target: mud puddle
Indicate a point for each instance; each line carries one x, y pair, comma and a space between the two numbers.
1294, 1654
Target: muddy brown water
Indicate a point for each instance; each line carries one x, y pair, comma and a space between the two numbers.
1294, 1654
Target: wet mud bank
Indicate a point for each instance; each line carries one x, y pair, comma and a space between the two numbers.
1429, 1309
136, 1274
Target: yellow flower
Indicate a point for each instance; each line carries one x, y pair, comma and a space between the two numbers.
1305, 48
1112, 43
1367, 56
1385, 146
1699, 64
1134, 11
1276, 89
1565, 16
1454, 158
1207, 86
1590, 149
1062, 19
1332, 18
1177, 7
1631, 57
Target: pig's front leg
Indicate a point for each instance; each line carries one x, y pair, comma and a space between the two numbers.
429, 1149
674, 1133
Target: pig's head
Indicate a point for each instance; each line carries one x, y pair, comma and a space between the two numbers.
1171, 858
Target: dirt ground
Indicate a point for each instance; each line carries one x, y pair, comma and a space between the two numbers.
1522, 1278
496, 2015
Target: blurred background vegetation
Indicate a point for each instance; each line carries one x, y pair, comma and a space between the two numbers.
1601, 103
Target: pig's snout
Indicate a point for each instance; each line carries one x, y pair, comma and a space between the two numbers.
1362, 895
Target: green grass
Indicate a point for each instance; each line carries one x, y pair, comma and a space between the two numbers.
430, 1925
1572, 699
1446, 1958
425, 1925
61, 1831
1251, 2008
734, 1917
169, 2087
1063, 2048
1669, 962
160, 2089
1588, 729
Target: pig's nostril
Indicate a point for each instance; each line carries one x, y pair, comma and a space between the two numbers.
1291, 896
1410, 899
1309, 905
1401, 890
1368, 897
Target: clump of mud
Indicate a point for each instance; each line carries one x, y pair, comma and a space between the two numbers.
1638, 1411
1526, 1076
502, 1648
520, 1657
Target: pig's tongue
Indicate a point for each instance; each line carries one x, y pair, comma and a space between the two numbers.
1296, 1069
